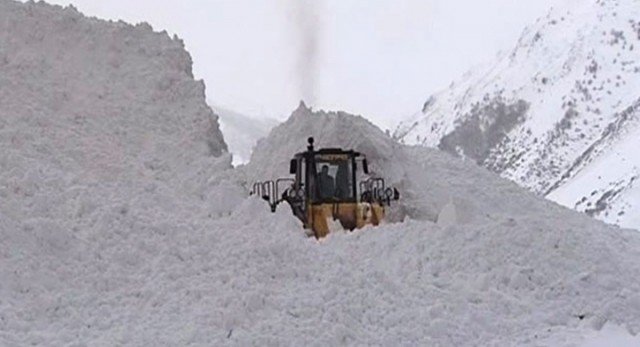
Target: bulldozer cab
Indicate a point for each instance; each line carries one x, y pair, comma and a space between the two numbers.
329, 188
326, 176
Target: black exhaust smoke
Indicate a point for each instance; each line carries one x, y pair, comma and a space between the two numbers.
307, 31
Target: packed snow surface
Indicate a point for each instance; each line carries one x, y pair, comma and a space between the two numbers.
559, 114
100, 248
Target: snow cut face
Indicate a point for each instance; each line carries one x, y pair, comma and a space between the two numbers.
103, 100
105, 136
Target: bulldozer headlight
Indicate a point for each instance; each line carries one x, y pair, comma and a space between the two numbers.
296, 193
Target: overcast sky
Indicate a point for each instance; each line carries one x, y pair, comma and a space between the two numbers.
378, 58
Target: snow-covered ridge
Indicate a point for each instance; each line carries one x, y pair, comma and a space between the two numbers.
558, 114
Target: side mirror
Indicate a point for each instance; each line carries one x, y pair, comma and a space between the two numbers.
293, 166
365, 166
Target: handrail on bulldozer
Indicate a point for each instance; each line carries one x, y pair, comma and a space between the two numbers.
375, 190
270, 191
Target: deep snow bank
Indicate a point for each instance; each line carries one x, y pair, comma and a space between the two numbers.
511, 270
103, 133
86, 102
330, 129
76, 91
224, 270
429, 179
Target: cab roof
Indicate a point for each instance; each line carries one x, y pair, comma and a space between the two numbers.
330, 151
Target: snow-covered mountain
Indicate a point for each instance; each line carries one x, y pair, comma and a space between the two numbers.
242, 132
559, 114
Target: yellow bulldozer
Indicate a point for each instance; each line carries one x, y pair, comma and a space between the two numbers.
325, 193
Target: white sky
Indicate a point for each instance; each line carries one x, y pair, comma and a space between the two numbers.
378, 58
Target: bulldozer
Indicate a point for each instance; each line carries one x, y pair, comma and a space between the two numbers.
325, 193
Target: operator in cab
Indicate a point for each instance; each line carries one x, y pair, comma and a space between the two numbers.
327, 183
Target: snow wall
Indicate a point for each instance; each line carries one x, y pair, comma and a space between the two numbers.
88, 103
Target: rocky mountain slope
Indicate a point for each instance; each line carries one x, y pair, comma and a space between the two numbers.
559, 114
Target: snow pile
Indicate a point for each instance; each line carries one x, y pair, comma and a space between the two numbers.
102, 129
242, 132
511, 269
253, 278
525, 271
271, 157
88, 103
559, 114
